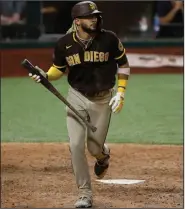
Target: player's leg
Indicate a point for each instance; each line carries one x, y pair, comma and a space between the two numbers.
100, 115
77, 134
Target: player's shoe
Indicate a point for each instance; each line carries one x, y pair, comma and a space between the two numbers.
83, 202
101, 166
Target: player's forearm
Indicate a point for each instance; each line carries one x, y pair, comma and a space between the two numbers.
54, 74
169, 17
123, 76
117, 101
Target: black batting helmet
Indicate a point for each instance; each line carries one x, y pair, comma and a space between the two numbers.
84, 8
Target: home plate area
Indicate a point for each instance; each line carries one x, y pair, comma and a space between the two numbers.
120, 181
40, 175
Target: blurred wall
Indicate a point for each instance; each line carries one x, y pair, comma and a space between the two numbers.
119, 16
42, 56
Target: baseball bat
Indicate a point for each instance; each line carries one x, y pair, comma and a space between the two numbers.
44, 81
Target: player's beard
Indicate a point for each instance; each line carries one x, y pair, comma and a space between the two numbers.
89, 30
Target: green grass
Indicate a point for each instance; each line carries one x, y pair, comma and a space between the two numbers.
152, 114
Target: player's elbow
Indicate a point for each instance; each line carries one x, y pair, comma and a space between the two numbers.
126, 65
54, 74
53, 78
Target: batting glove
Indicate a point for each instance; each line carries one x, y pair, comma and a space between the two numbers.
116, 102
35, 77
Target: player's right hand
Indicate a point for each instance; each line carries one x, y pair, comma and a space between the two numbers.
117, 102
35, 77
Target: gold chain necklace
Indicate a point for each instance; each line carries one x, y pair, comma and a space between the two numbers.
83, 41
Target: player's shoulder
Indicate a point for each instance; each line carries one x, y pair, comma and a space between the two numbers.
109, 33
65, 39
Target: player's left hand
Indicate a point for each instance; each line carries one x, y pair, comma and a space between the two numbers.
116, 102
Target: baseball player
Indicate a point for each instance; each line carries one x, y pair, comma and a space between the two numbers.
94, 59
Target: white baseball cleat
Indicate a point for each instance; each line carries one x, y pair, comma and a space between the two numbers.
83, 202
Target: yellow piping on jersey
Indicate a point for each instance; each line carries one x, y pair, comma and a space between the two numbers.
59, 66
117, 58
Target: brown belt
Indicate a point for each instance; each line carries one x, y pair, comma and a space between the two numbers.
97, 94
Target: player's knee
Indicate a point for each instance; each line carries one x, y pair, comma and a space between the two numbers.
76, 147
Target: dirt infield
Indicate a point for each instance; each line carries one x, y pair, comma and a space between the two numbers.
40, 175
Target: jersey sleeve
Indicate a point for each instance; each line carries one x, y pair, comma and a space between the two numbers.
59, 60
119, 51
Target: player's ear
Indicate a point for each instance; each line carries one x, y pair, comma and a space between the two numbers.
77, 21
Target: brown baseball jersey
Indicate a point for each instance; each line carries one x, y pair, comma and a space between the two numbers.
92, 68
